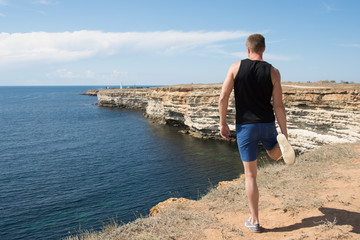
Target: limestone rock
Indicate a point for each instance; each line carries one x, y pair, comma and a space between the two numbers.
317, 114
168, 203
91, 92
123, 98
225, 184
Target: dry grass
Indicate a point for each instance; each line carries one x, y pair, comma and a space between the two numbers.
328, 153
182, 221
326, 224
328, 230
177, 221
289, 183
231, 198
174, 222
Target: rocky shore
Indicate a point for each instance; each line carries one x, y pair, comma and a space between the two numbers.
328, 210
317, 113
92, 92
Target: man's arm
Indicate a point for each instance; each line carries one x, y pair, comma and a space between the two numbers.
227, 87
279, 107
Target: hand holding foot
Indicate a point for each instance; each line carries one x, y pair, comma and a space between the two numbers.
287, 151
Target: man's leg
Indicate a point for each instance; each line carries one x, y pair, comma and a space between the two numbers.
251, 188
275, 152
269, 141
282, 149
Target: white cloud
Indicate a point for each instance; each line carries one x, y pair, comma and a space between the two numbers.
46, 2
88, 74
276, 41
41, 12
64, 73
3, 3
2, 15
114, 75
329, 7
69, 46
240, 55
267, 56
270, 56
353, 45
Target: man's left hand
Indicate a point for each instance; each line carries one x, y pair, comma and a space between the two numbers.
225, 131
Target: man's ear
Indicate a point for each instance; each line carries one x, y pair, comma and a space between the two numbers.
248, 50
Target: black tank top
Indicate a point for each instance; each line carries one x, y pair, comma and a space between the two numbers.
253, 91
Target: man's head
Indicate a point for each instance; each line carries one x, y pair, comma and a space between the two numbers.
255, 43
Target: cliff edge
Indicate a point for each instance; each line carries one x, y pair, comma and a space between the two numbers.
328, 210
317, 113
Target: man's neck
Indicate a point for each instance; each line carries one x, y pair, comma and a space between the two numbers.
255, 56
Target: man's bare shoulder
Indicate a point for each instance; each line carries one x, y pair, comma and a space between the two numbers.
236, 65
234, 68
275, 75
275, 70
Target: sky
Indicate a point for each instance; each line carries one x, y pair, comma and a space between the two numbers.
166, 42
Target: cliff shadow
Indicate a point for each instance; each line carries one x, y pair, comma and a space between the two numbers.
342, 217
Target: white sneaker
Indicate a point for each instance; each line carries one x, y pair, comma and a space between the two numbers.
253, 227
287, 151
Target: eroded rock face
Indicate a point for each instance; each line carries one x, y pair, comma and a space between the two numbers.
322, 97
194, 107
180, 202
310, 128
203, 112
316, 114
123, 98
168, 104
320, 115
91, 92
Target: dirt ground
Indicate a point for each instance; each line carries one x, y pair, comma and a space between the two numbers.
317, 198
338, 217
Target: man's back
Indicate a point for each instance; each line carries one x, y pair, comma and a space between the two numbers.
253, 91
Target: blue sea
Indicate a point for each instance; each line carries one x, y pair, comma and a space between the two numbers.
68, 165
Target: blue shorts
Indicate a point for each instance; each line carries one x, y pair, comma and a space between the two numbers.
249, 135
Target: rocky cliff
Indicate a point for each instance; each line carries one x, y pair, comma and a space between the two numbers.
317, 113
134, 98
92, 92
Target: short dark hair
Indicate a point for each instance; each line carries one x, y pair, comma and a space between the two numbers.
256, 43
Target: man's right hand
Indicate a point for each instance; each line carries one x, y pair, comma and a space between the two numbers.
225, 131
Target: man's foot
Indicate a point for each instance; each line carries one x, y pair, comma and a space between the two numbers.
287, 151
253, 227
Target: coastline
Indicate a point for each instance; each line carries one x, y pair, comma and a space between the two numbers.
317, 113
327, 211
87, 163
221, 217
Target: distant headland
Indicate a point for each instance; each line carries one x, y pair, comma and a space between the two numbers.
318, 113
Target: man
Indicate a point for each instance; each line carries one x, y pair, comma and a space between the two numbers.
255, 82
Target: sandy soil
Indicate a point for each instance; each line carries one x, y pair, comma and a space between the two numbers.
337, 218
317, 198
